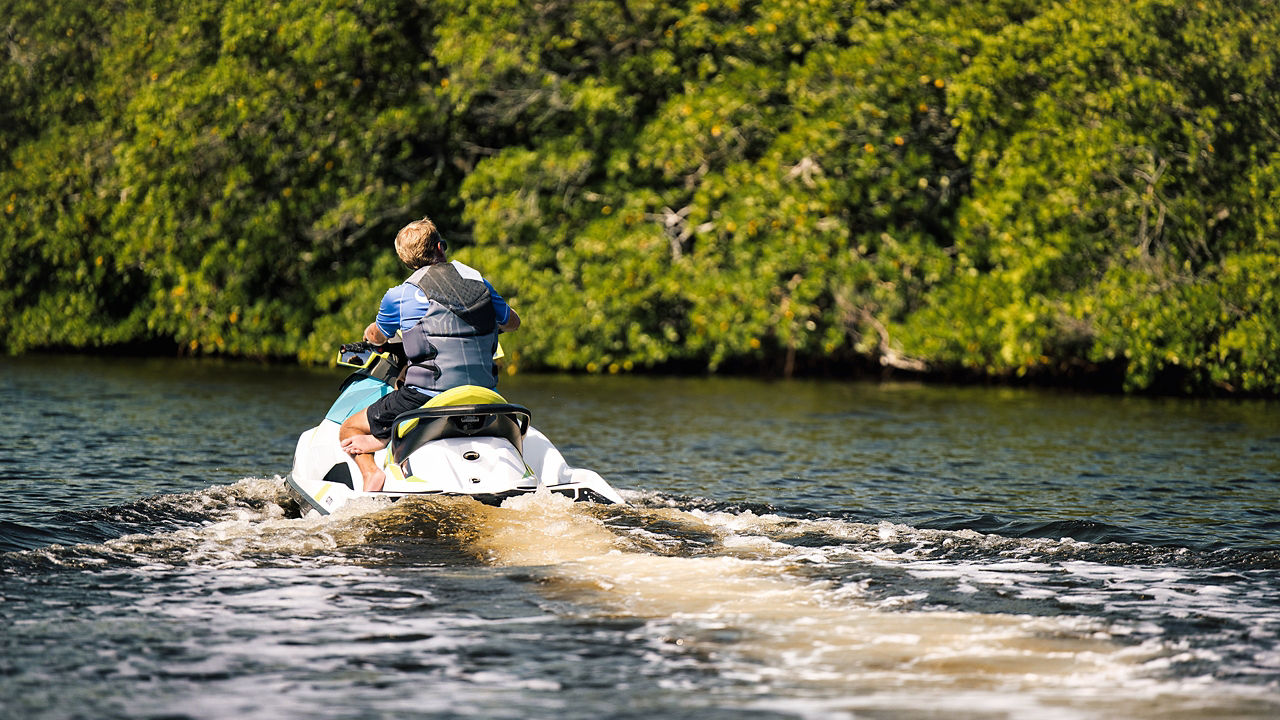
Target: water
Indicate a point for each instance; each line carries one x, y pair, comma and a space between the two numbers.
791, 550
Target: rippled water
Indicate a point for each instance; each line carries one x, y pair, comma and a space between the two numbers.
791, 550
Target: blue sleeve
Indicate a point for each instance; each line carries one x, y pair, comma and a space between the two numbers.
501, 310
388, 320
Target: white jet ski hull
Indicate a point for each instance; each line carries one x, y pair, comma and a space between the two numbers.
488, 468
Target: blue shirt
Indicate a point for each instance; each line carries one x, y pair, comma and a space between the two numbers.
405, 304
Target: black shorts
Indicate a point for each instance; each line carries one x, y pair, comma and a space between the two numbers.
383, 412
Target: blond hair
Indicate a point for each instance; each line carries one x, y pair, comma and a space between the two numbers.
417, 244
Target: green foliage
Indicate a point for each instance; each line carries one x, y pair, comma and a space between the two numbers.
1000, 187
1115, 178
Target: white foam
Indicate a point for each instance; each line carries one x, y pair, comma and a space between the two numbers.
826, 636
818, 618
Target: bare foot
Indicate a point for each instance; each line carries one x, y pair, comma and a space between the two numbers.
373, 481
360, 444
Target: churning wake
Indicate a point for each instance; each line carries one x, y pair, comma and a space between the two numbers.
808, 616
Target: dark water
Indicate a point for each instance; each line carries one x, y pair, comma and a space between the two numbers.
792, 550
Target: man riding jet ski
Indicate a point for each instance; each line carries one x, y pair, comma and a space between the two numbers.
449, 317
443, 418
466, 441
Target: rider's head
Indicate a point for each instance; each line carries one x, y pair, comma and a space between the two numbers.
419, 244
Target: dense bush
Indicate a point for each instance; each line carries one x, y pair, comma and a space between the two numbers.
997, 188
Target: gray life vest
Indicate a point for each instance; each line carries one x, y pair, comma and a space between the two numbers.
453, 344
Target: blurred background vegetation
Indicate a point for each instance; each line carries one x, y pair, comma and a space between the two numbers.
1080, 191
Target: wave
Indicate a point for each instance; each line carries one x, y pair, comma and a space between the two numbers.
263, 511
868, 609
153, 514
856, 613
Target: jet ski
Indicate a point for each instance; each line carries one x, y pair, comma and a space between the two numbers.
466, 441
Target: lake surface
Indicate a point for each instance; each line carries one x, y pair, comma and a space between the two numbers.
790, 550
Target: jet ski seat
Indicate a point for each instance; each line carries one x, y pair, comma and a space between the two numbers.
467, 411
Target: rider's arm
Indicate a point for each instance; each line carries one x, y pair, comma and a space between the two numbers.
375, 335
513, 322
507, 318
388, 320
